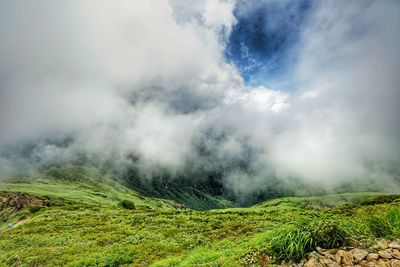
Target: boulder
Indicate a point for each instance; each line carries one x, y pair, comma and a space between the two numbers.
396, 254
329, 262
332, 251
358, 254
330, 256
371, 264
326, 253
395, 263
316, 255
383, 263
372, 256
364, 263
394, 244
374, 248
382, 243
345, 258
384, 254
313, 262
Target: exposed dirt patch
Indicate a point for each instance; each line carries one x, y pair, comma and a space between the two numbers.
11, 203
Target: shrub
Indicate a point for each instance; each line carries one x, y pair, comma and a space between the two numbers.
127, 204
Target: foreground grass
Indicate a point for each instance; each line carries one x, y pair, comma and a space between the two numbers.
91, 231
73, 236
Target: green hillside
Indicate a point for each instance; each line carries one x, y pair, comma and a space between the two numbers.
75, 216
317, 202
77, 185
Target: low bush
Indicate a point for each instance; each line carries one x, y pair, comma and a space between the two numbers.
127, 204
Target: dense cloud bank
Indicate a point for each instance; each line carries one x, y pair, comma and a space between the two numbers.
147, 86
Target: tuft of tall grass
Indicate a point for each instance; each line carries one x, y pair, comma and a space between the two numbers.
328, 234
385, 226
294, 242
291, 243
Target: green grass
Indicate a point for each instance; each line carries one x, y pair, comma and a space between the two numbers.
92, 228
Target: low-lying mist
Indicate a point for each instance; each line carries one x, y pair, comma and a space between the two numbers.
146, 89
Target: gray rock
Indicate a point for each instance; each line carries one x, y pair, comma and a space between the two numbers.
382, 263
394, 244
332, 251
345, 258
313, 262
395, 263
372, 256
358, 254
374, 248
328, 262
371, 264
396, 254
383, 244
384, 254
316, 255
330, 256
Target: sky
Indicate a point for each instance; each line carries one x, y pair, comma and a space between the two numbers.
264, 40
249, 91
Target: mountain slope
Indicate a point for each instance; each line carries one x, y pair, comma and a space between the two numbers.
80, 185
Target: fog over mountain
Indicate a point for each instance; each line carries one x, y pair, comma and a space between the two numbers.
195, 89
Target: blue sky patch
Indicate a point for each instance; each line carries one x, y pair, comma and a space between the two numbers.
263, 41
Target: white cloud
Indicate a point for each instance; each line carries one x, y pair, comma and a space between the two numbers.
149, 80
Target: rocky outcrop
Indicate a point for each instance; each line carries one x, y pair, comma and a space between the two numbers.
13, 202
384, 253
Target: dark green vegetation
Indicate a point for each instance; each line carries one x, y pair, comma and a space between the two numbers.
195, 194
77, 216
126, 204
